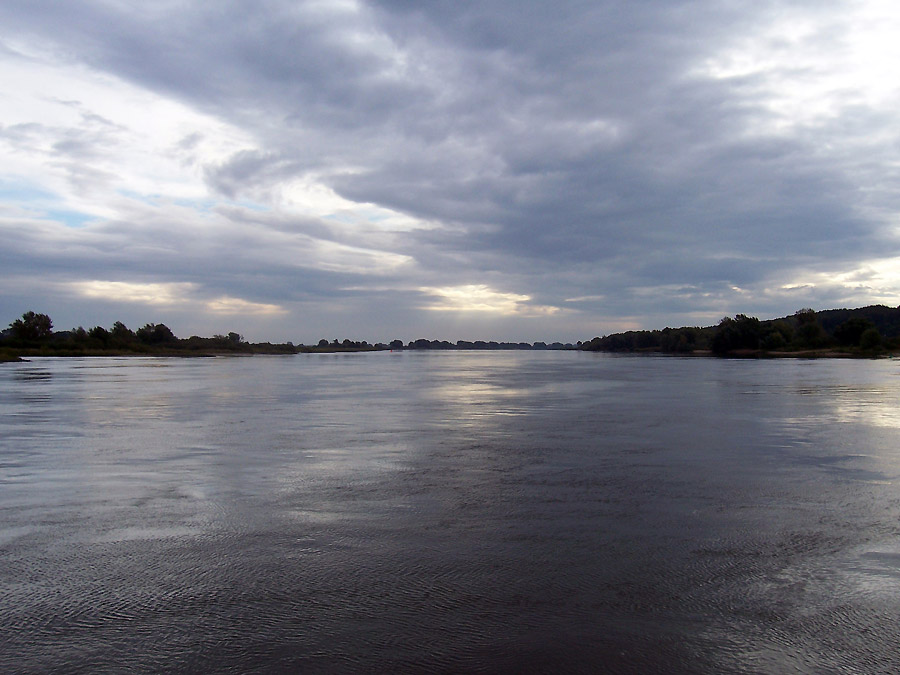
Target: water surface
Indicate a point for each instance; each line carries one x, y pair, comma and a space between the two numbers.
449, 512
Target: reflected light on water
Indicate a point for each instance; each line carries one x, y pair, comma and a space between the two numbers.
454, 512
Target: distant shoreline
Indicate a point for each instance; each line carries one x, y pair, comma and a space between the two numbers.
866, 332
745, 354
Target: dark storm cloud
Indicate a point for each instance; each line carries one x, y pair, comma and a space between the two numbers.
565, 150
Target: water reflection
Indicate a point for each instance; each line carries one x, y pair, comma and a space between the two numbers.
450, 512
864, 405
32, 375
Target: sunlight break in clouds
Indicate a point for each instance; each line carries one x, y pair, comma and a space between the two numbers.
876, 281
480, 298
239, 307
172, 295
166, 294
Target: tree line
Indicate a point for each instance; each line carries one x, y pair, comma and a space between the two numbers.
33, 334
864, 331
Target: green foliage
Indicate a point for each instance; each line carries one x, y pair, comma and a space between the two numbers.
121, 333
8, 356
870, 340
849, 333
152, 338
100, 334
31, 327
741, 332
782, 328
885, 319
155, 334
776, 335
805, 330
810, 334
773, 341
681, 340
669, 340
806, 315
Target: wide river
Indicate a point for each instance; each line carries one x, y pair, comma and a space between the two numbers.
449, 512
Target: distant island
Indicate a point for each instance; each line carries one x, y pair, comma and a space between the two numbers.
863, 332
33, 335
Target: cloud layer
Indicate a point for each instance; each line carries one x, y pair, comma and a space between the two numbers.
500, 170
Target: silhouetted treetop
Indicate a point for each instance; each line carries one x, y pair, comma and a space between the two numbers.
121, 332
155, 333
31, 327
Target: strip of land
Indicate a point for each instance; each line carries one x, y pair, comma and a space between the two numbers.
838, 333
33, 335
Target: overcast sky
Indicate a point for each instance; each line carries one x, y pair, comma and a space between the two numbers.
505, 170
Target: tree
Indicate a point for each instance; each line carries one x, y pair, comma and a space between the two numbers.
741, 332
777, 335
810, 333
870, 340
31, 327
100, 334
121, 332
155, 333
849, 333
773, 341
805, 315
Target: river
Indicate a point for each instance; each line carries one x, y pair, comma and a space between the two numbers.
449, 512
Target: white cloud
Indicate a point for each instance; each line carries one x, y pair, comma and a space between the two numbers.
237, 306
182, 296
164, 294
480, 298
811, 64
871, 282
85, 136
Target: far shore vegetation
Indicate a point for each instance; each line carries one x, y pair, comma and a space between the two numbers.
33, 335
864, 332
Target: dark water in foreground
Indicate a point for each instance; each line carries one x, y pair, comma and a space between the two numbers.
449, 512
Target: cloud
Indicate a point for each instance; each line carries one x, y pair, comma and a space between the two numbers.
183, 295
634, 164
148, 294
480, 298
237, 306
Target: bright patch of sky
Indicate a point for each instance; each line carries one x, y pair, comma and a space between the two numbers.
811, 63
180, 295
480, 298
86, 137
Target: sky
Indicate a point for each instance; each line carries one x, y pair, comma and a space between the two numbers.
506, 170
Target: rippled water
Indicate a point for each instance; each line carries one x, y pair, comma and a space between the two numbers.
449, 512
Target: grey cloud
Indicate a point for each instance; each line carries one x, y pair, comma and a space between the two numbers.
558, 150
247, 167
